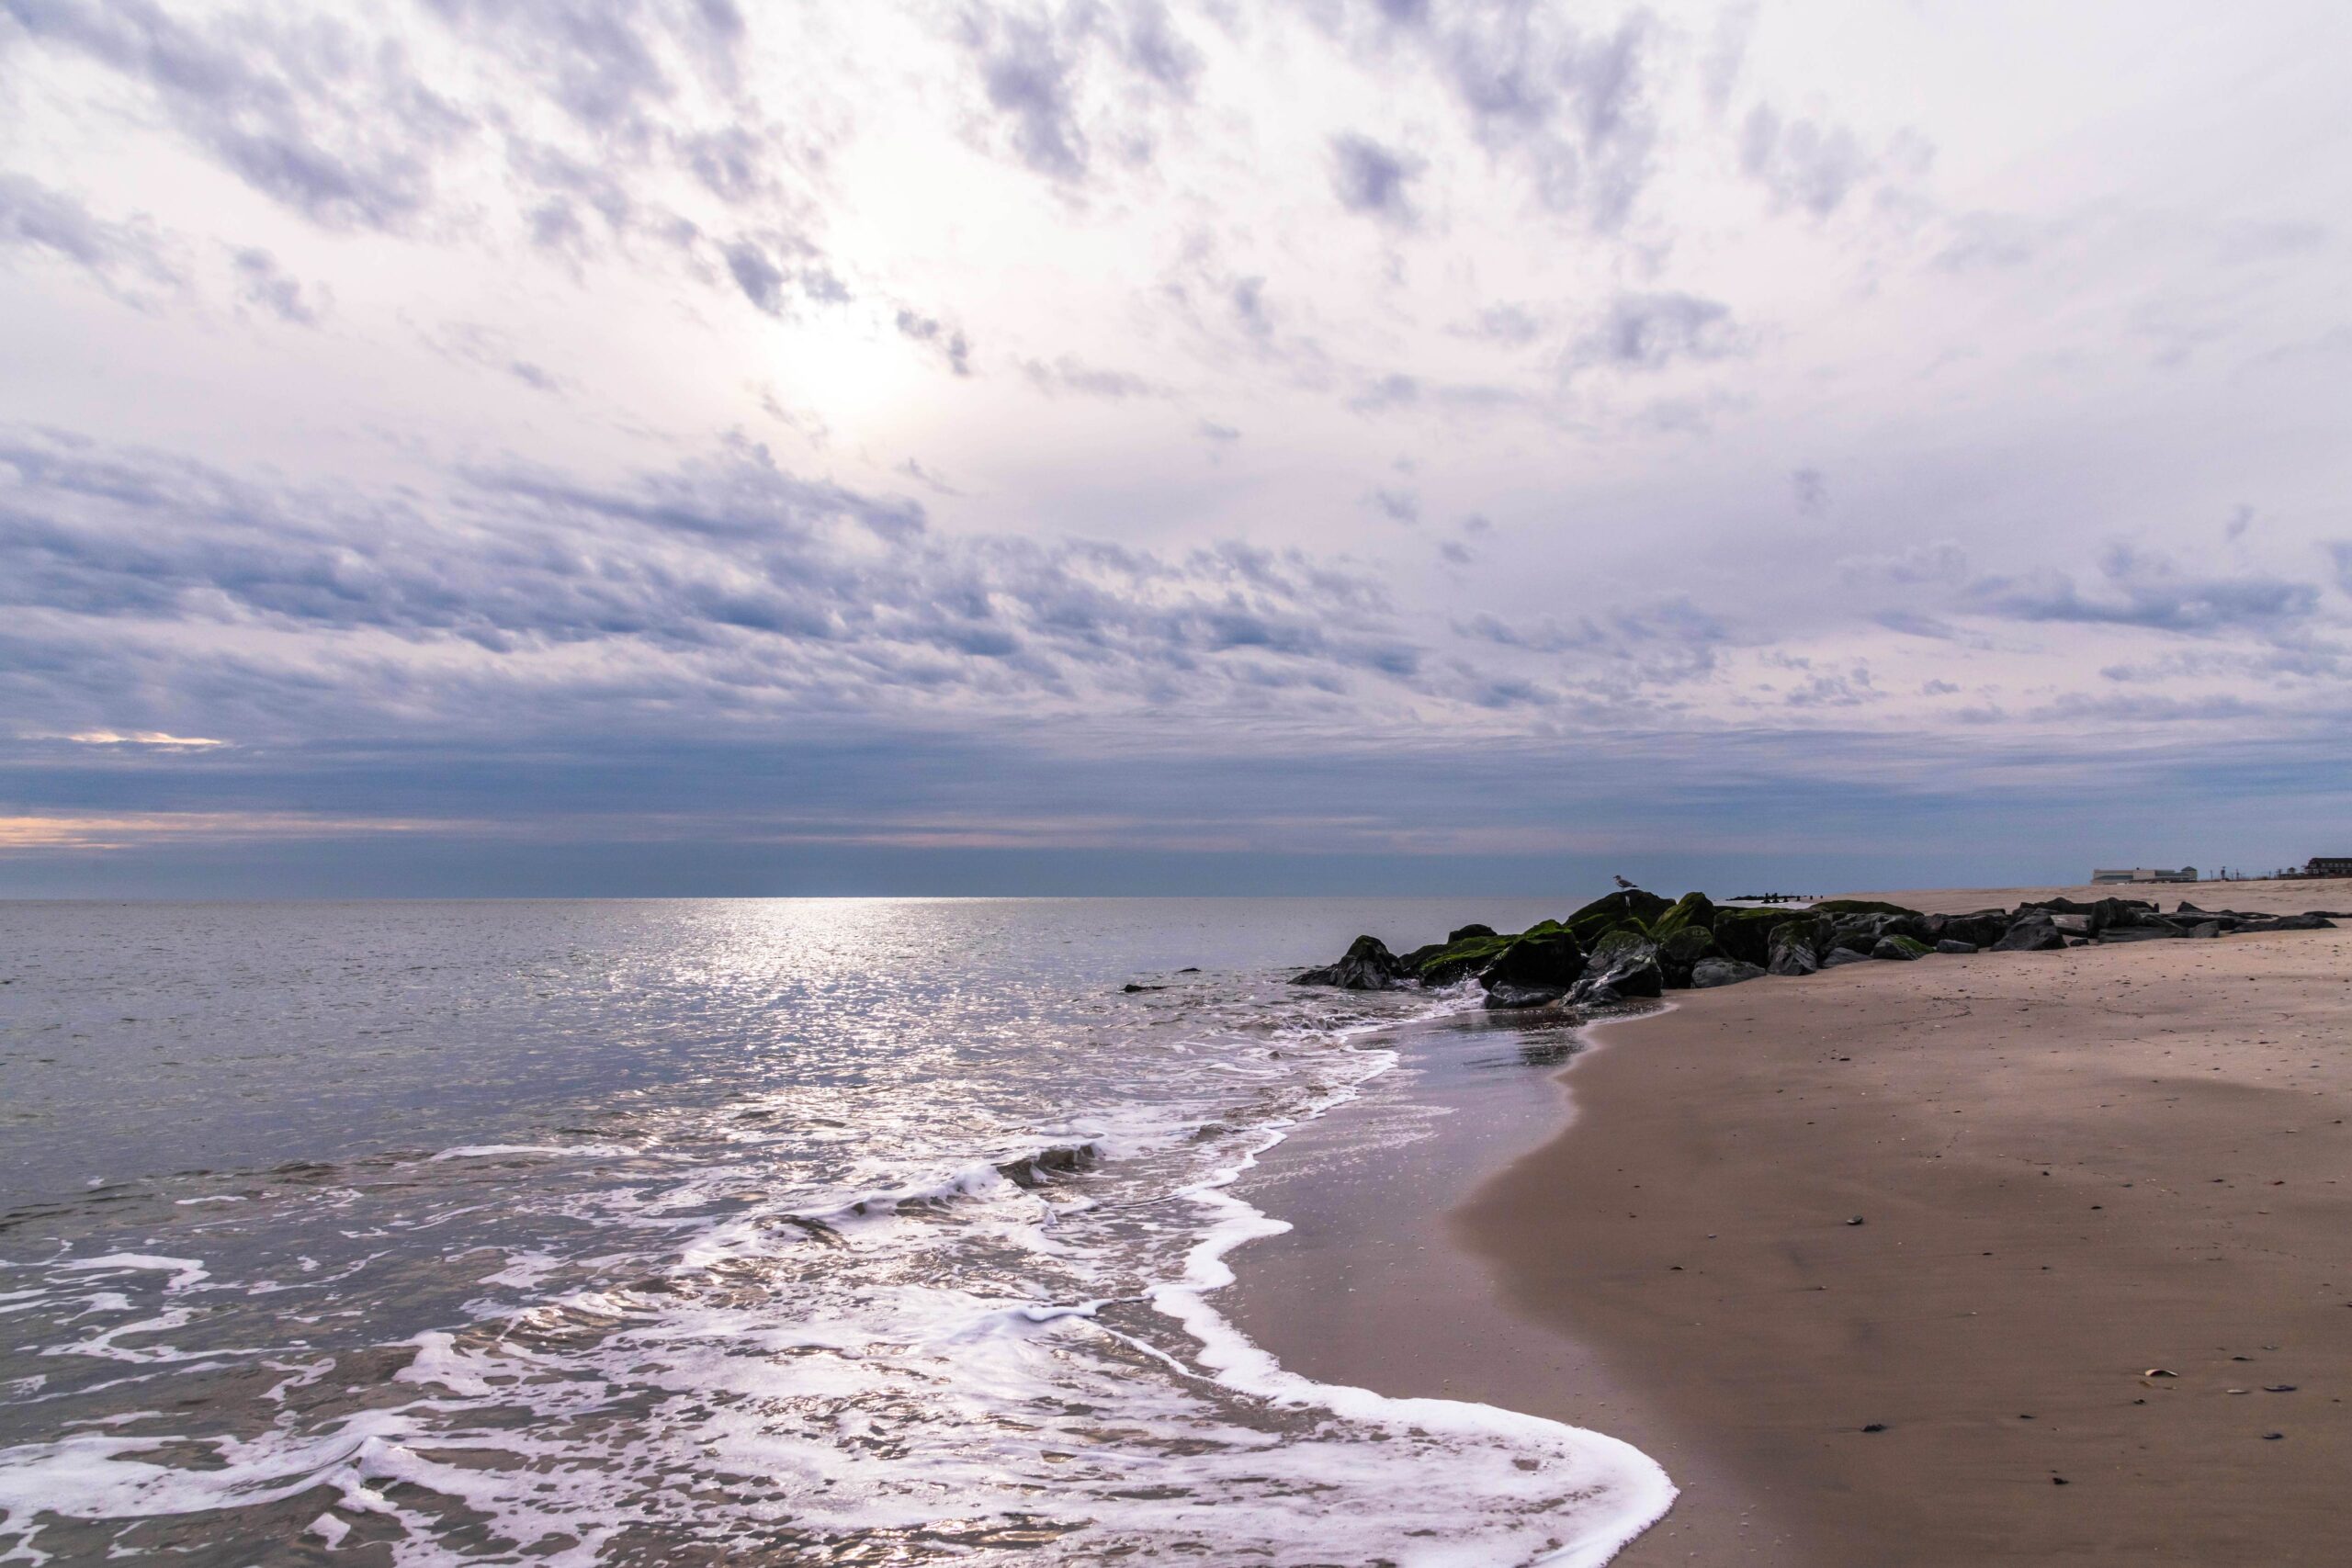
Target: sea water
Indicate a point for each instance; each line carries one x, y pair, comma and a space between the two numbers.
820, 1231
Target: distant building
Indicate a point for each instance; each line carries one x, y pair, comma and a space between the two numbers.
2142, 874
2328, 865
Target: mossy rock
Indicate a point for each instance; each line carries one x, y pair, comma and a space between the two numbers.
1681, 952
1900, 947
1747, 934
1604, 914
1858, 906
1544, 958
1444, 963
1690, 910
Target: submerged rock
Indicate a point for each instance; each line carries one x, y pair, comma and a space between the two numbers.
1709, 973
1368, 966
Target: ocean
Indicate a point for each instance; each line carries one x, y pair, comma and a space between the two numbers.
791, 1231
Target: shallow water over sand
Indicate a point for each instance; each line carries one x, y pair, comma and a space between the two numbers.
798, 1232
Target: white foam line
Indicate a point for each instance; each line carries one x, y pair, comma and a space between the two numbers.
1591, 1459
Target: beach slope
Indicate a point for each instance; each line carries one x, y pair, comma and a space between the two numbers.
2002, 1258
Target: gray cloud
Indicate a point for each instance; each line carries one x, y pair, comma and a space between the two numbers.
261, 282
1027, 70
311, 115
1370, 179
1566, 108
1804, 164
761, 280
1649, 332
723, 580
945, 341
35, 217
1073, 376
2146, 590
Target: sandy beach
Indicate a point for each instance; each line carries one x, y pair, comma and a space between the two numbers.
2001, 1258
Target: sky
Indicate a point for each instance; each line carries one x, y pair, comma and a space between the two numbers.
999, 446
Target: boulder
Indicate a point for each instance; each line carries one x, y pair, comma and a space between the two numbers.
1692, 910
1947, 945
1709, 973
1624, 964
1464, 934
1902, 949
2139, 934
1981, 927
1508, 998
1843, 956
1458, 957
1860, 906
1747, 934
1542, 962
1367, 966
1799, 946
2030, 935
2206, 928
1680, 953
1631, 905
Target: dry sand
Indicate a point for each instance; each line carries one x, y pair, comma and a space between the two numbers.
2071, 1168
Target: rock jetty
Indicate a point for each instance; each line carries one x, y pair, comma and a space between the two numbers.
1634, 945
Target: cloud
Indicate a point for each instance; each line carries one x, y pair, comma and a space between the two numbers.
309, 115
1027, 70
1804, 164
945, 341
2145, 589
1811, 488
1075, 377
724, 586
37, 217
261, 282
1568, 108
1370, 179
761, 280
1650, 331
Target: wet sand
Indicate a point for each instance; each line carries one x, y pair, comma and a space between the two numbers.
2070, 1167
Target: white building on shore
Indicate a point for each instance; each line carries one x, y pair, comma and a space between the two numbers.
2142, 874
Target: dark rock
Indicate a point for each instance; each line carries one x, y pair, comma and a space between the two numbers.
1457, 958
1983, 927
2206, 928
1948, 945
1709, 973
1131, 987
1547, 958
1036, 1170
1679, 954
2310, 923
2072, 925
2030, 936
1624, 964
1505, 997
1464, 934
1902, 949
1632, 905
1843, 955
1692, 910
1860, 907
1798, 947
1368, 966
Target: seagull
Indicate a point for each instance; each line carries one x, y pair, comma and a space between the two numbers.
1623, 883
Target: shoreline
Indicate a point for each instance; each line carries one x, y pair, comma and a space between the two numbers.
1674, 1267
